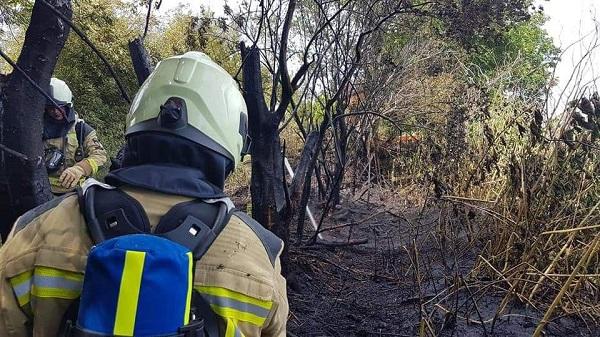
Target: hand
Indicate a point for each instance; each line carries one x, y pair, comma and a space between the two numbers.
70, 177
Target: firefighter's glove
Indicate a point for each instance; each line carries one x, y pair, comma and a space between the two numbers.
71, 176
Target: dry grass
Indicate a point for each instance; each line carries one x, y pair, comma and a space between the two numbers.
533, 185
540, 212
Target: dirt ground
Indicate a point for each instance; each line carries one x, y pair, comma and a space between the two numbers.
384, 288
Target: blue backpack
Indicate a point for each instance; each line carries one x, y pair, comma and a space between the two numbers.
139, 283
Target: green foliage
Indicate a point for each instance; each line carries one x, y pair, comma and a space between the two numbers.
14, 17
487, 35
96, 95
468, 21
469, 74
312, 112
526, 48
15, 12
185, 31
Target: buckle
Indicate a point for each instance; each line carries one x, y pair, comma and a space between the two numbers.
193, 329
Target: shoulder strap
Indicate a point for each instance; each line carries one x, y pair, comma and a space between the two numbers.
273, 244
82, 130
194, 224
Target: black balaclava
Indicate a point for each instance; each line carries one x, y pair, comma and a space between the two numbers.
171, 164
58, 128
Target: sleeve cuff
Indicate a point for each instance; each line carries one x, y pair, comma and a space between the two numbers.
93, 165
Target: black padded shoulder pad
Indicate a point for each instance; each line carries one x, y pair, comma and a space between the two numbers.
37, 211
194, 224
272, 243
111, 212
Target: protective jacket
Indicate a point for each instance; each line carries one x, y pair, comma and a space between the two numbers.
89, 154
42, 264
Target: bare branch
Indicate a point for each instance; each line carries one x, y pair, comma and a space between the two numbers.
147, 19
286, 85
16, 153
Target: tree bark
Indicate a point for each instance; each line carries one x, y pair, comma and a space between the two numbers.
269, 199
303, 172
5, 207
270, 204
26, 181
341, 144
141, 61
301, 185
142, 64
267, 185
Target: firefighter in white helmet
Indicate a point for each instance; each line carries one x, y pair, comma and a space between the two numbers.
186, 132
71, 148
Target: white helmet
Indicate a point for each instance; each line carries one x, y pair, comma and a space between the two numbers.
60, 92
192, 97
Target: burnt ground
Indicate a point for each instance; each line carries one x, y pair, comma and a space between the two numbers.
384, 288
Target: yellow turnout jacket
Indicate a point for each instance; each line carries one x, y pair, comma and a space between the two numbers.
43, 260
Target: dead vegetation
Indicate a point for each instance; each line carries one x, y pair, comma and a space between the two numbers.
511, 195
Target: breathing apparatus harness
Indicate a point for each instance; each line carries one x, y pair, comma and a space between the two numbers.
54, 158
111, 214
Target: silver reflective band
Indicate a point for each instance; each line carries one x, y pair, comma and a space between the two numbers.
56, 282
237, 305
23, 288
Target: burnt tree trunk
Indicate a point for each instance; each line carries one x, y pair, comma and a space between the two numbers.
141, 61
267, 186
341, 144
270, 200
303, 172
5, 208
27, 180
301, 185
143, 68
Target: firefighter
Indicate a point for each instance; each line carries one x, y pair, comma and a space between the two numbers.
186, 132
71, 148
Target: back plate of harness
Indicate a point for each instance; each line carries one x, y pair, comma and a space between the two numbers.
110, 212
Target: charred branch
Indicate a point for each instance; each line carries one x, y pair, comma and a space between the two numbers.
140, 59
